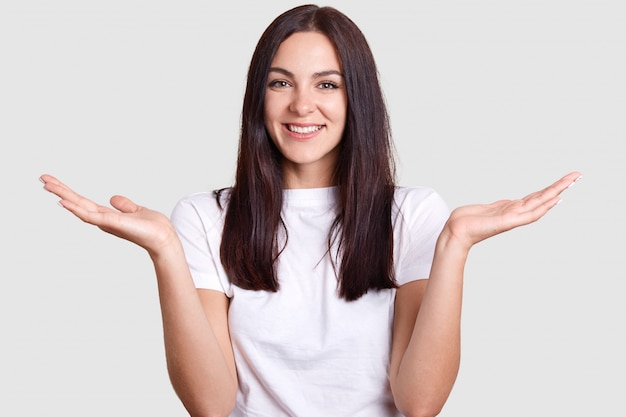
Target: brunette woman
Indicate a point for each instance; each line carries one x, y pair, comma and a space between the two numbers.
315, 285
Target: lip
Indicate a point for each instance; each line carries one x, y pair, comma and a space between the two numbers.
302, 136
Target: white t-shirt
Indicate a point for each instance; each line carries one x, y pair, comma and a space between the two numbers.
302, 351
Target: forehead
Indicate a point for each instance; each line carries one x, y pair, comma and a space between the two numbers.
307, 50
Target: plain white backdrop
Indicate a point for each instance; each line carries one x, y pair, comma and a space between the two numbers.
488, 100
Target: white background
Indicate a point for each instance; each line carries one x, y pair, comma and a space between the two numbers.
488, 99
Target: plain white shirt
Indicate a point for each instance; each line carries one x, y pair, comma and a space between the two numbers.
302, 351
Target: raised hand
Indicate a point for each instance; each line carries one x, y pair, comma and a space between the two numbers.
474, 223
147, 228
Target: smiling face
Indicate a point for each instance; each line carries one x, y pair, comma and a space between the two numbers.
305, 108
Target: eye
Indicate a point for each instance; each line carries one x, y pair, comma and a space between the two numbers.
328, 85
278, 84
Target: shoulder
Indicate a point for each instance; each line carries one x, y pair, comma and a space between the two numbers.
220, 196
418, 216
419, 199
206, 207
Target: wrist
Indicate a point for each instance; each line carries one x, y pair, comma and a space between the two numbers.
169, 245
450, 243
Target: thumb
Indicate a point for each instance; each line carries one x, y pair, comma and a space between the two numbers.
124, 204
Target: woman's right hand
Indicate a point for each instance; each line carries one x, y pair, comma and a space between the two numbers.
147, 228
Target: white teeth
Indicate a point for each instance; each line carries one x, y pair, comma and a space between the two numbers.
302, 130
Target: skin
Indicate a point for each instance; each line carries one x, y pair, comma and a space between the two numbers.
426, 332
426, 343
306, 92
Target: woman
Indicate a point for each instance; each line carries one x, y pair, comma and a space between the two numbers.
296, 292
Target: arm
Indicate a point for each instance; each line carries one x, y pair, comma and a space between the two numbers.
199, 355
426, 342
426, 346
197, 344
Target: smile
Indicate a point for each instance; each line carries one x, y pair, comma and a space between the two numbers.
304, 129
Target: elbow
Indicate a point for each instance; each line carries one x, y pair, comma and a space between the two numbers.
421, 399
223, 411
212, 400
208, 405
419, 405
210, 414
420, 411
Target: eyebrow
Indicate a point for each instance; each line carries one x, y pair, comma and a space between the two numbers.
315, 74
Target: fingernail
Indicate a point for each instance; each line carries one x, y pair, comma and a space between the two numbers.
574, 182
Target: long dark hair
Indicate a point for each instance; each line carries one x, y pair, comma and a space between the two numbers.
365, 172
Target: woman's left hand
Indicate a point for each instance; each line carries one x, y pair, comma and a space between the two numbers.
474, 223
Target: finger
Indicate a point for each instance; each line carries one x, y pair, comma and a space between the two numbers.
53, 185
124, 204
550, 194
49, 179
45, 178
539, 203
100, 216
535, 205
564, 183
65, 193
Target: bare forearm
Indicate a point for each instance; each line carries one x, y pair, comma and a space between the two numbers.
199, 369
430, 363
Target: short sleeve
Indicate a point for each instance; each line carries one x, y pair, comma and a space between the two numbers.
418, 218
199, 222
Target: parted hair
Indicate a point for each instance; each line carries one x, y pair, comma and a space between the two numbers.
364, 175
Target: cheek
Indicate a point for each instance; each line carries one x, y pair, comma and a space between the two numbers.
276, 102
268, 114
270, 126
271, 130
339, 113
338, 109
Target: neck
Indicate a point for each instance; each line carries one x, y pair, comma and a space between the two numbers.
302, 176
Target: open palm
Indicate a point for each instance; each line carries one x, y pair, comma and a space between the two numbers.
474, 223
147, 228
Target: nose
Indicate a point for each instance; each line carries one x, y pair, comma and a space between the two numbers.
302, 102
